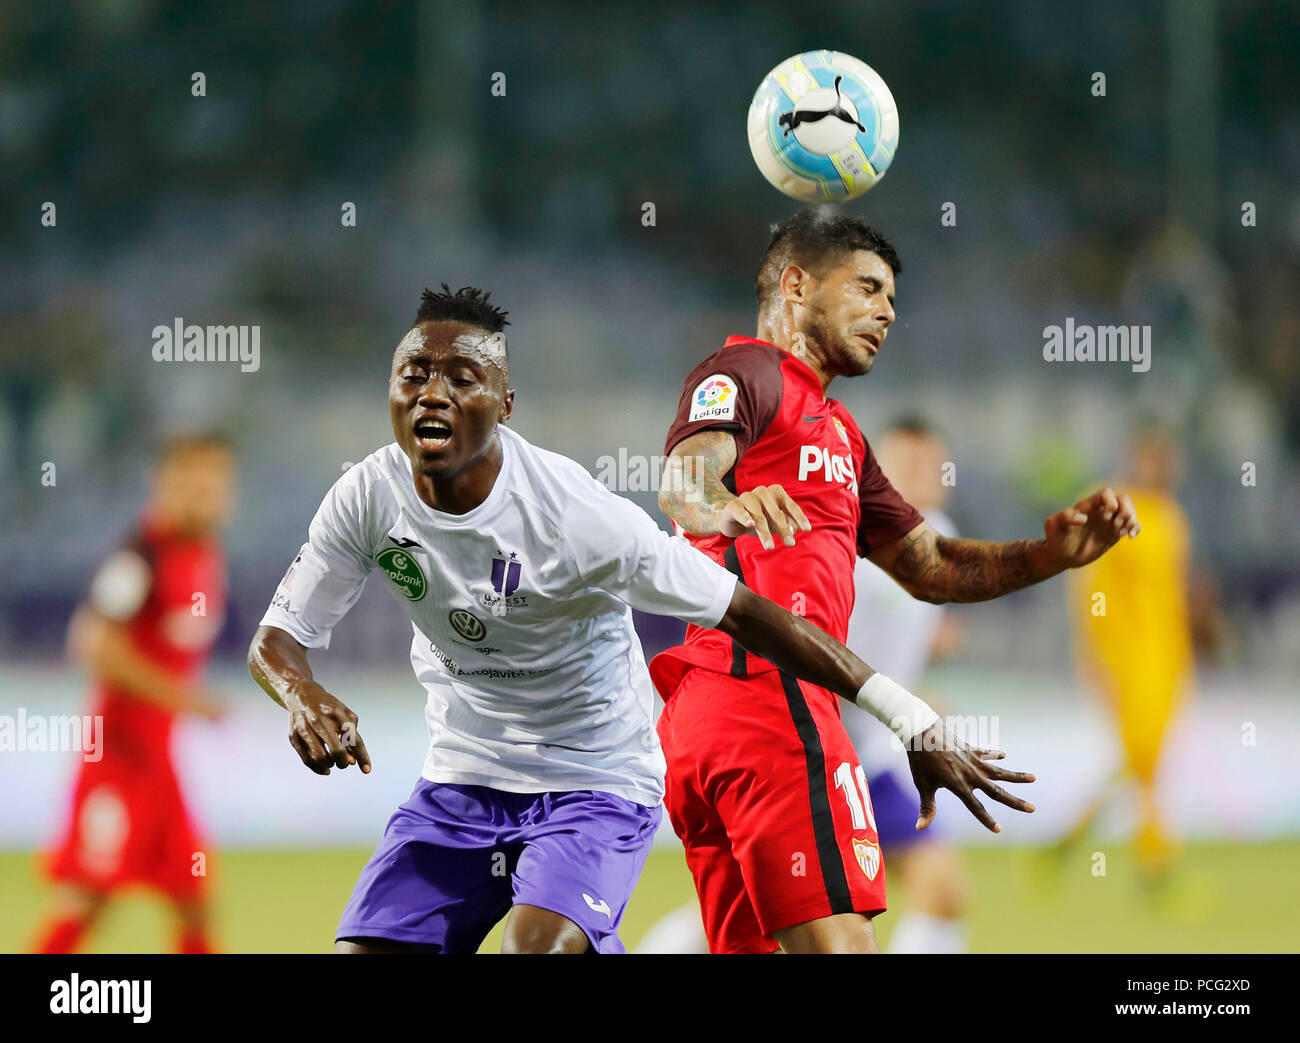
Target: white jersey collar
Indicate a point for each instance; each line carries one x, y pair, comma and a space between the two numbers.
445, 519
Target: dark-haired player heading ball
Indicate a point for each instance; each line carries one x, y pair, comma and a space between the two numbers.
763, 785
540, 793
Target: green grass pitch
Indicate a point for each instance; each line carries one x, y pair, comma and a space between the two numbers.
1222, 898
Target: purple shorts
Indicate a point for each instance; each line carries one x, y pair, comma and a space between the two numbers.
454, 859
896, 804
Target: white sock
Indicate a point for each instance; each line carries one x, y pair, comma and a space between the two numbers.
921, 933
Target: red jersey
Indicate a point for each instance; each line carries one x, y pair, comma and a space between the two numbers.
127, 822
787, 433
169, 590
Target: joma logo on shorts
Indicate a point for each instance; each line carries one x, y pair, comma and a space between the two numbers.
835, 467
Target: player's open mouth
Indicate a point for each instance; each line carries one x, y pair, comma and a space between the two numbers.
432, 435
872, 340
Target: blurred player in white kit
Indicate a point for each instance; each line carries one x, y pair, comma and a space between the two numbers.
906, 634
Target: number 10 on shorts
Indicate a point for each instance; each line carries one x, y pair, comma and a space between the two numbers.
853, 781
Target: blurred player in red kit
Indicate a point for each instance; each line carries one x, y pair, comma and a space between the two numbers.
144, 633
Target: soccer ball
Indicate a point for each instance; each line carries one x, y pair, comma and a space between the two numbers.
823, 127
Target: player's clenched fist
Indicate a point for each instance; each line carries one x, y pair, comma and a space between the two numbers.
324, 733
762, 511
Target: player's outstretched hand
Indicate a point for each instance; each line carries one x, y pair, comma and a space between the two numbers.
324, 733
1084, 532
762, 511
943, 761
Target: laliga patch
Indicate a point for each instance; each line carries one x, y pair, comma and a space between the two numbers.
867, 852
714, 398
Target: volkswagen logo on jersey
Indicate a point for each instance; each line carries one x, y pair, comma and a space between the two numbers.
403, 571
505, 574
467, 625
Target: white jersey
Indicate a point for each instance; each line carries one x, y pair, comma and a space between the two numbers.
523, 633
894, 633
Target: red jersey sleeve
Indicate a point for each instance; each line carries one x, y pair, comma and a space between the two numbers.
885, 514
736, 389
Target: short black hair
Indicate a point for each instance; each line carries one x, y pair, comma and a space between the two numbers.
468, 304
812, 236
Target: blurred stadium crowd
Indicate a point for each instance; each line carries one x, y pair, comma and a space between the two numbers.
225, 208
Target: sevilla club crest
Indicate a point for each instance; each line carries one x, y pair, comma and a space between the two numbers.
867, 852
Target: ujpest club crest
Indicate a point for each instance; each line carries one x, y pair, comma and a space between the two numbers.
507, 571
505, 574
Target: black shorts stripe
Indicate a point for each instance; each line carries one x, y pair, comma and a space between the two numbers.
828, 851
732, 561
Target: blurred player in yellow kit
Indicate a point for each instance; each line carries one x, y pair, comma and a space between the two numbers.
1134, 624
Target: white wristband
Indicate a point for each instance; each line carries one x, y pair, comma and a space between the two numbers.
895, 707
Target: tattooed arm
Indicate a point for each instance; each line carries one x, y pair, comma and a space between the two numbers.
694, 495
938, 568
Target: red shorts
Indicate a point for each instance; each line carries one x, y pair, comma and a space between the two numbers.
128, 824
766, 792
